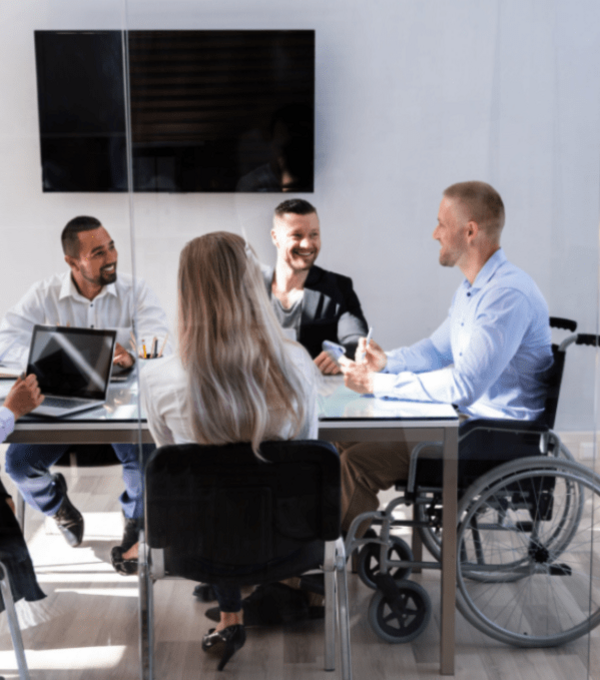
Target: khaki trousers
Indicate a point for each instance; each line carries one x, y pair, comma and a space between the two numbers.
366, 469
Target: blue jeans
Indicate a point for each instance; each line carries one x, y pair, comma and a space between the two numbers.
28, 466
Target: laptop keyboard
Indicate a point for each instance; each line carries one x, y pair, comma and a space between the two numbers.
59, 402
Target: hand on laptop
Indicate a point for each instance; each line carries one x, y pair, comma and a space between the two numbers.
122, 357
24, 396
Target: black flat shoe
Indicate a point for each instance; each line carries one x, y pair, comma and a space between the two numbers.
225, 642
125, 567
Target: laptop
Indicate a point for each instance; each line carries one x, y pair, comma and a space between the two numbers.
72, 366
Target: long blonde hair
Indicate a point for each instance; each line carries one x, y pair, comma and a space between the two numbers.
241, 382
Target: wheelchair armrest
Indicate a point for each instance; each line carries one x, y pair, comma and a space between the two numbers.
414, 457
501, 425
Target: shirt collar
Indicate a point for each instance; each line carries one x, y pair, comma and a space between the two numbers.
488, 270
69, 289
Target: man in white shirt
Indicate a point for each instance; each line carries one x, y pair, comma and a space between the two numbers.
92, 296
488, 358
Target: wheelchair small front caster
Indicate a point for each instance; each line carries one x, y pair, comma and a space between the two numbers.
404, 616
205, 592
369, 563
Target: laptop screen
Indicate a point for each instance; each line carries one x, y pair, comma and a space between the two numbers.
71, 362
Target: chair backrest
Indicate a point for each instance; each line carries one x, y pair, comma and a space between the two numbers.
222, 505
553, 379
553, 376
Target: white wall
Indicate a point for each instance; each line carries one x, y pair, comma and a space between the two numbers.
411, 96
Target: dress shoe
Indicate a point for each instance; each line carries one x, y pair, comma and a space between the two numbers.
273, 604
225, 642
122, 565
131, 535
68, 518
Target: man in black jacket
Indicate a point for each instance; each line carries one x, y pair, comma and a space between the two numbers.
314, 304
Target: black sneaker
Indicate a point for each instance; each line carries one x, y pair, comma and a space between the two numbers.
68, 518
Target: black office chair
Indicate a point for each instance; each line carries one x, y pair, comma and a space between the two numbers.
220, 508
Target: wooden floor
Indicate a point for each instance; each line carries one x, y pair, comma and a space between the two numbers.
94, 634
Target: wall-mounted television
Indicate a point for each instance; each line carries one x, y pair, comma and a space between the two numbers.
210, 111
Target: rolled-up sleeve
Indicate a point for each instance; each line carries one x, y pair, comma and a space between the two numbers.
7, 422
492, 341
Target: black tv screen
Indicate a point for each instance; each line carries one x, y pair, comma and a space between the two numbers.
216, 111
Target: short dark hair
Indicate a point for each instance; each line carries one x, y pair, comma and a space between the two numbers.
482, 204
69, 236
297, 206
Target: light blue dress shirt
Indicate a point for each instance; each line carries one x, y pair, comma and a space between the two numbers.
487, 356
7, 422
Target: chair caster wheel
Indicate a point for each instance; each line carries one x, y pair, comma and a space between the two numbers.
205, 592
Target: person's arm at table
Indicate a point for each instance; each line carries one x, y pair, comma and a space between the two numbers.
23, 397
426, 355
495, 338
351, 326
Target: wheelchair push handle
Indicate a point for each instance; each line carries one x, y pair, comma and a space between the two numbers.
566, 324
588, 339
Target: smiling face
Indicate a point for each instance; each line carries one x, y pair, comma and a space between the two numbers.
451, 232
96, 264
297, 239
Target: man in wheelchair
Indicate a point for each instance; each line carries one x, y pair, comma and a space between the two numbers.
487, 358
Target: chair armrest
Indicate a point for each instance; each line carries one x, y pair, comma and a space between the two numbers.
414, 457
501, 425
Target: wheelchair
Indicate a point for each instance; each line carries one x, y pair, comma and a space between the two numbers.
528, 514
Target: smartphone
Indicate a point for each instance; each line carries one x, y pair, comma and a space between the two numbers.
334, 350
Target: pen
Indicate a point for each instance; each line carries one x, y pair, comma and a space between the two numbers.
163, 345
154, 351
144, 353
362, 355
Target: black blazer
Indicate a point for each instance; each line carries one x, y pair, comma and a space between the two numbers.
330, 311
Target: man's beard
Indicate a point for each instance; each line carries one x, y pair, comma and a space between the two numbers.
105, 279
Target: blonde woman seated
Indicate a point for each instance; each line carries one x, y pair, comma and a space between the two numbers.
236, 379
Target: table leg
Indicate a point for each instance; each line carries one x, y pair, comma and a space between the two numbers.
449, 503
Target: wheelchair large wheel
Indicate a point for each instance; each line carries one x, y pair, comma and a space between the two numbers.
526, 573
369, 561
403, 617
431, 535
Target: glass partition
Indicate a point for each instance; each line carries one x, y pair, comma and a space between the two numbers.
405, 99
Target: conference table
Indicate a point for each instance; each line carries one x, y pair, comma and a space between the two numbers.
343, 416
